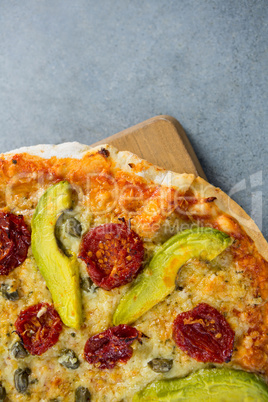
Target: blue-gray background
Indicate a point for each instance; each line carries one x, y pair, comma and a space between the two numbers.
83, 70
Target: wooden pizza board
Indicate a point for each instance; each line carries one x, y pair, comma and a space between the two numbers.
160, 140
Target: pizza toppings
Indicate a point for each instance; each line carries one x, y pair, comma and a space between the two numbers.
104, 350
9, 293
87, 285
204, 334
67, 230
21, 379
69, 359
213, 385
113, 254
160, 365
60, 271
3, 392
158, 279
39, 328
18, 350
15, 239
68, 224
82, 394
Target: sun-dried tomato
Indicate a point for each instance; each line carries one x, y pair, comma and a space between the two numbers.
39, 328
104, 350
204, 334
15, 239
113, 254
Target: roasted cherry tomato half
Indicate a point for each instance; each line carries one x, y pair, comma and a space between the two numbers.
39, 328
15, 239
113, 254
104, 350
204, 334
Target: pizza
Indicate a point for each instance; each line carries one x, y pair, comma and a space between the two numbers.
121, 281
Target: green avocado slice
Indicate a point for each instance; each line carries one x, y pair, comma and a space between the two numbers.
207, 385
158, 279
59, 271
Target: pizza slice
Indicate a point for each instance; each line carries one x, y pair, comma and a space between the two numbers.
123, 281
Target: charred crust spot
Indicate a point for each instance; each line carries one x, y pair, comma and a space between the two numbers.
104, 152
14, 161
131, 165
210, 199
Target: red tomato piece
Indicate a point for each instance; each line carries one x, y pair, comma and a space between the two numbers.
15, 239
39, 328
204, 334
104, 350
113, 254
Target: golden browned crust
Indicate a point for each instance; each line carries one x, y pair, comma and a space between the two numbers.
230, 207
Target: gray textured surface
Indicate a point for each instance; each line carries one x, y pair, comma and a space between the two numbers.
83, 70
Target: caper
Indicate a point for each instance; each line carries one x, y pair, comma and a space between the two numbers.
68, 224
21, 379
7, 294
178, 279
87, 285
73, 227
160, 365
18, 350
69, 359
82, 394
3, 393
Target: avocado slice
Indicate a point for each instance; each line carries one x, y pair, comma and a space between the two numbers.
158, 279
207, 385
60, 271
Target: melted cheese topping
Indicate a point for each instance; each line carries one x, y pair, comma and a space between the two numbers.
105, 193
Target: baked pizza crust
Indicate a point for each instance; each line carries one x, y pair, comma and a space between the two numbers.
230, 207
157, 175
157, 323
123, 159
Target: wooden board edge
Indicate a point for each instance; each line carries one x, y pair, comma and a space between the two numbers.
187, 143
169, 120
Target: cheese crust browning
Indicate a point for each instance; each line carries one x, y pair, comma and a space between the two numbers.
157, 204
